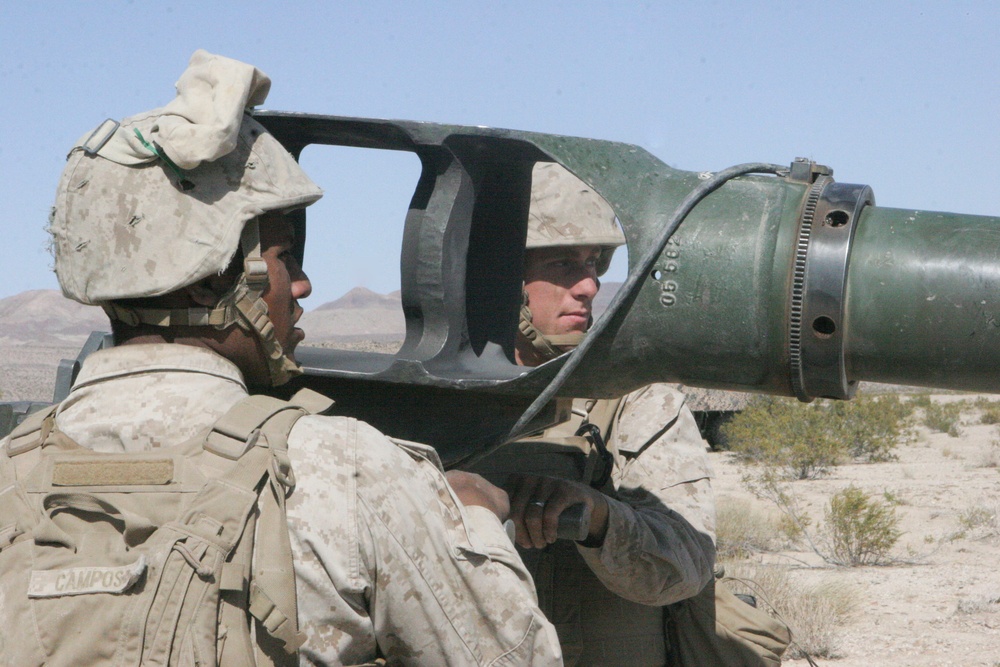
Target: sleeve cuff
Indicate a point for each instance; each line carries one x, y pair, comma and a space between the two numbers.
605, 555
485, 525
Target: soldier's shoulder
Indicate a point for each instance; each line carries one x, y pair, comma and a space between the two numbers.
655, 401
349, 441
715, 400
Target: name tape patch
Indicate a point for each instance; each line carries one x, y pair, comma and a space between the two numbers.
112, 472
85, 580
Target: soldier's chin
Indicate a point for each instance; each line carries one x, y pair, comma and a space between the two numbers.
293, 342
574, 324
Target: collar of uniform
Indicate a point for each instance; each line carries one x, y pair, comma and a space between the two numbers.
152, 358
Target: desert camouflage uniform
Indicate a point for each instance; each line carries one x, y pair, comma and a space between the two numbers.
386, 559
606, 601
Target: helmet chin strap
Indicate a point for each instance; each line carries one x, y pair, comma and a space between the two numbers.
545, 345
248, 302
241, 305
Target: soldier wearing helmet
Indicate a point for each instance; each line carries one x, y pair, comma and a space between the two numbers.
572, 236
175, 222
638, 463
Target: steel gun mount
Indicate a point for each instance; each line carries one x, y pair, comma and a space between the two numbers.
760, 278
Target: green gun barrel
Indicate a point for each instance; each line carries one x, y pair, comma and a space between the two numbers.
799, 285
922, 304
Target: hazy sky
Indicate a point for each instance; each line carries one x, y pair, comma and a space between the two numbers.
903, 97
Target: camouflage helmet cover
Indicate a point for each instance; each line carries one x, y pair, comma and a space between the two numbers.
128, 222
565, 211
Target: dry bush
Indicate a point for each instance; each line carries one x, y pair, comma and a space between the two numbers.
980, 522
787, 435
945, 417
805, 440
742, 530
977, 605
816, 613
861, 529
871, 426
989, 411
989, 457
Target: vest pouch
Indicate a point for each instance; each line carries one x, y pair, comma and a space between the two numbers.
121, 559
182, 621
105, 587
717, 628
88, 564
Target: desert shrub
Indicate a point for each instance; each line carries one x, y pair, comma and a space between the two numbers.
784, 434
793, 529
742, 530
920, 399
978, 604
893, 498
990, 456
815, 613
861, 529
990, 411
944, 417
805, 440
767, 484
870, 426
980, 521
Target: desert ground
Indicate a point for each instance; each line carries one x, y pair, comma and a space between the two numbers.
28, 372
938, 601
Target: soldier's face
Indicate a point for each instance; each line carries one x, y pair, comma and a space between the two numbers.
287, 282
561, 284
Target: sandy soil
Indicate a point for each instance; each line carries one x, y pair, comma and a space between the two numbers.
939, 604
28, 372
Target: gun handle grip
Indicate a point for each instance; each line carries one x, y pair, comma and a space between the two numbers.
574, 523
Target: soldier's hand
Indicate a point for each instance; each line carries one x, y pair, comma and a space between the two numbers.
536, 503
473, 489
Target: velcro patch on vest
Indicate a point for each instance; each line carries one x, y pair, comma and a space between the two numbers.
104, 472
85, 580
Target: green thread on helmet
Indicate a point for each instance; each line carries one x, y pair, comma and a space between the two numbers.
155, 150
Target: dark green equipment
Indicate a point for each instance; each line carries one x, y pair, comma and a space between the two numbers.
760, 278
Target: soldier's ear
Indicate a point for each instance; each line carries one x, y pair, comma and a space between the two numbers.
207, 291
202, 294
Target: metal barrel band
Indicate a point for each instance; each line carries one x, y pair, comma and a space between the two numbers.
816, 318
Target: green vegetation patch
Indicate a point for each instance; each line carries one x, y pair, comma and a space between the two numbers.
805, 440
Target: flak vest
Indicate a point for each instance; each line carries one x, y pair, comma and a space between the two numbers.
595, 626
172, 556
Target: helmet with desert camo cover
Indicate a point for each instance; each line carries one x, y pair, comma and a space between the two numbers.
165, 198
565, 211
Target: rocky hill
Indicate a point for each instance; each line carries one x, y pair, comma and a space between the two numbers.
46, 317
361, 314
37, 329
